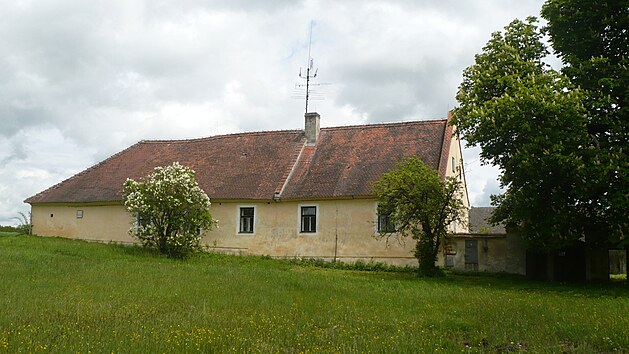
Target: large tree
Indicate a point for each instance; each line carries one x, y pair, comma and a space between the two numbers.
592, 40
528, 120
421, 206
537, 125
171, 210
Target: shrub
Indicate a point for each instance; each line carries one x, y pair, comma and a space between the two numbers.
171, 210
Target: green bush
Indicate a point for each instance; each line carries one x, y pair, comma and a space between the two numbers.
171, 210
8, 229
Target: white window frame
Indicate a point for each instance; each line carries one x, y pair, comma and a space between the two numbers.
317, 218
255, 220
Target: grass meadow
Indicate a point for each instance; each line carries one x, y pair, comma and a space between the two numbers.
59, 295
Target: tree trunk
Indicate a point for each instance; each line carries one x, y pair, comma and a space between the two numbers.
426, 257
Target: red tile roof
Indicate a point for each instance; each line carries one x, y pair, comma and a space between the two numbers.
344, 162
347, 160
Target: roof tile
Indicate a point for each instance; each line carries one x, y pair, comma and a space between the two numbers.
344, 162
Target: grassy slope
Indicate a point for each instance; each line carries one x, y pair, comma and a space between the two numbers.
69, 296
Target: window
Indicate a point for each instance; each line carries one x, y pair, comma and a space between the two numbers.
79, 214
384, 224
246, 220
453, 164
309, 219
141, 221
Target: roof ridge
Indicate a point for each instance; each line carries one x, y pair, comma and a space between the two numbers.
222, 136
265, 132
376, 125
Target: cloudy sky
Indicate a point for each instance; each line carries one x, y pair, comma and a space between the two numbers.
81, 80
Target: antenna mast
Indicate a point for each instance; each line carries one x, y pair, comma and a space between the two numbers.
311, 73
308, 75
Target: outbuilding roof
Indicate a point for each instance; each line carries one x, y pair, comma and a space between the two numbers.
343, 163
479, 221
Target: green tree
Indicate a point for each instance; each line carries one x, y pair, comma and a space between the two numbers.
592, 40
529, 120
171, 210
421, 206
536, 125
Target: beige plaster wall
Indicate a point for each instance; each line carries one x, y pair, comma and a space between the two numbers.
496, 254
99, 222
344, 227
455, 168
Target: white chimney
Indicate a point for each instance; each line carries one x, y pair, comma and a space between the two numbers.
312, 127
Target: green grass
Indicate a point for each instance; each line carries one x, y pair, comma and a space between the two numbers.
60, 295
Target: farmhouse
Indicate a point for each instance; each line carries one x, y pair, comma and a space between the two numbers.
294, 193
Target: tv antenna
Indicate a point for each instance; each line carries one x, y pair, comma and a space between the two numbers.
309, 93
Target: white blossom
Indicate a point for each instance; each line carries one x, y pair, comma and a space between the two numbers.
171, 207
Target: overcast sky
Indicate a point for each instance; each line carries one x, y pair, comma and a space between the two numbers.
81, 80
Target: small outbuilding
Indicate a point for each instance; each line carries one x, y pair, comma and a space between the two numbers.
486, 247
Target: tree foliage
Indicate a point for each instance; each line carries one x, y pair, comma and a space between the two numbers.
533, 122
592, 39
171, 210
528, 120
421, 206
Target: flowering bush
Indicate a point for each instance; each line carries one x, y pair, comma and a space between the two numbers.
170, 209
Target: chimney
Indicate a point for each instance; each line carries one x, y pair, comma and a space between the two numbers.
312, 127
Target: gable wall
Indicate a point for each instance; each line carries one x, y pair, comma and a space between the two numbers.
456, 153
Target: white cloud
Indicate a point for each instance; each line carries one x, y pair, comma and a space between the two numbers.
482, 179
38, 158
80, 80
